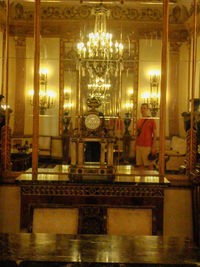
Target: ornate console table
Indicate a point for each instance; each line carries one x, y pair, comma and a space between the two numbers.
93, 198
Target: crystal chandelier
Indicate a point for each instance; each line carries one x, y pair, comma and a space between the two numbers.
100, 44
100, 58
98, 89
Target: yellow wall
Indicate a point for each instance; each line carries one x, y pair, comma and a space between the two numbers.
50, 53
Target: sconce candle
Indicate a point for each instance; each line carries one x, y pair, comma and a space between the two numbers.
46, 97
153, 99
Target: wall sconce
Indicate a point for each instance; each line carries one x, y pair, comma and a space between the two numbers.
152, 98
129, 107
67, 97
129, 103
46, 97
67, 93
67, 107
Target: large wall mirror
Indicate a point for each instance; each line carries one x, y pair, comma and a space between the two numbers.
72, 71
118, 95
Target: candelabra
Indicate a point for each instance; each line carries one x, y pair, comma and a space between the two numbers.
46, 97
129, 103
152, 98
67, 101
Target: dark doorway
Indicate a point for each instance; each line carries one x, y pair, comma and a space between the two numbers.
92, 152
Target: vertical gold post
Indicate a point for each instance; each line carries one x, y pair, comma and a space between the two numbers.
61, 86
36, 90
6, 85
120, 90
189, 72
163, 86
3, 59
194, 49
19, 116
78, 99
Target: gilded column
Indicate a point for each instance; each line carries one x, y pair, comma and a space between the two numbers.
19, 114
110, 152
73, 151
102, 158
80, 152
173, 89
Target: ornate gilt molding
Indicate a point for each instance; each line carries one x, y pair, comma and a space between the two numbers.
56, 12
54, 15
20, 41
178, 13
174, 47
101, 190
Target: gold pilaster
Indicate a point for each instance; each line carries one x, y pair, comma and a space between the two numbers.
19, 115
163, 86
5, 159
61, 86
102, 159
36, 90
73, 152
80, 152
192, 159
110, 153
173, 89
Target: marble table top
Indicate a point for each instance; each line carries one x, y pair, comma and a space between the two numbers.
124, 174
98, 249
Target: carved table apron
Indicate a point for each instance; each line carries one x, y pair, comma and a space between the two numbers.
92, 199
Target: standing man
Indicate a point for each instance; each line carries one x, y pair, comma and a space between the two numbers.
145, 142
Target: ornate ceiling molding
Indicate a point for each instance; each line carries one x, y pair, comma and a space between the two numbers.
64, 20
20, 11
178, 14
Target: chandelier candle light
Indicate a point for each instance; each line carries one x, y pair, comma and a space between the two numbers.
98, 89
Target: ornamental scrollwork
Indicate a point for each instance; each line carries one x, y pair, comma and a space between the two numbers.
20, 42
19, 11
179, 14
94, 190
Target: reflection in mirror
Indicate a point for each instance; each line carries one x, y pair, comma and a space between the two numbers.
104, 60
100, 74
179, 88
5, 107
17, 59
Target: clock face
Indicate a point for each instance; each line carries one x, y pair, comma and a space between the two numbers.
92, 121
